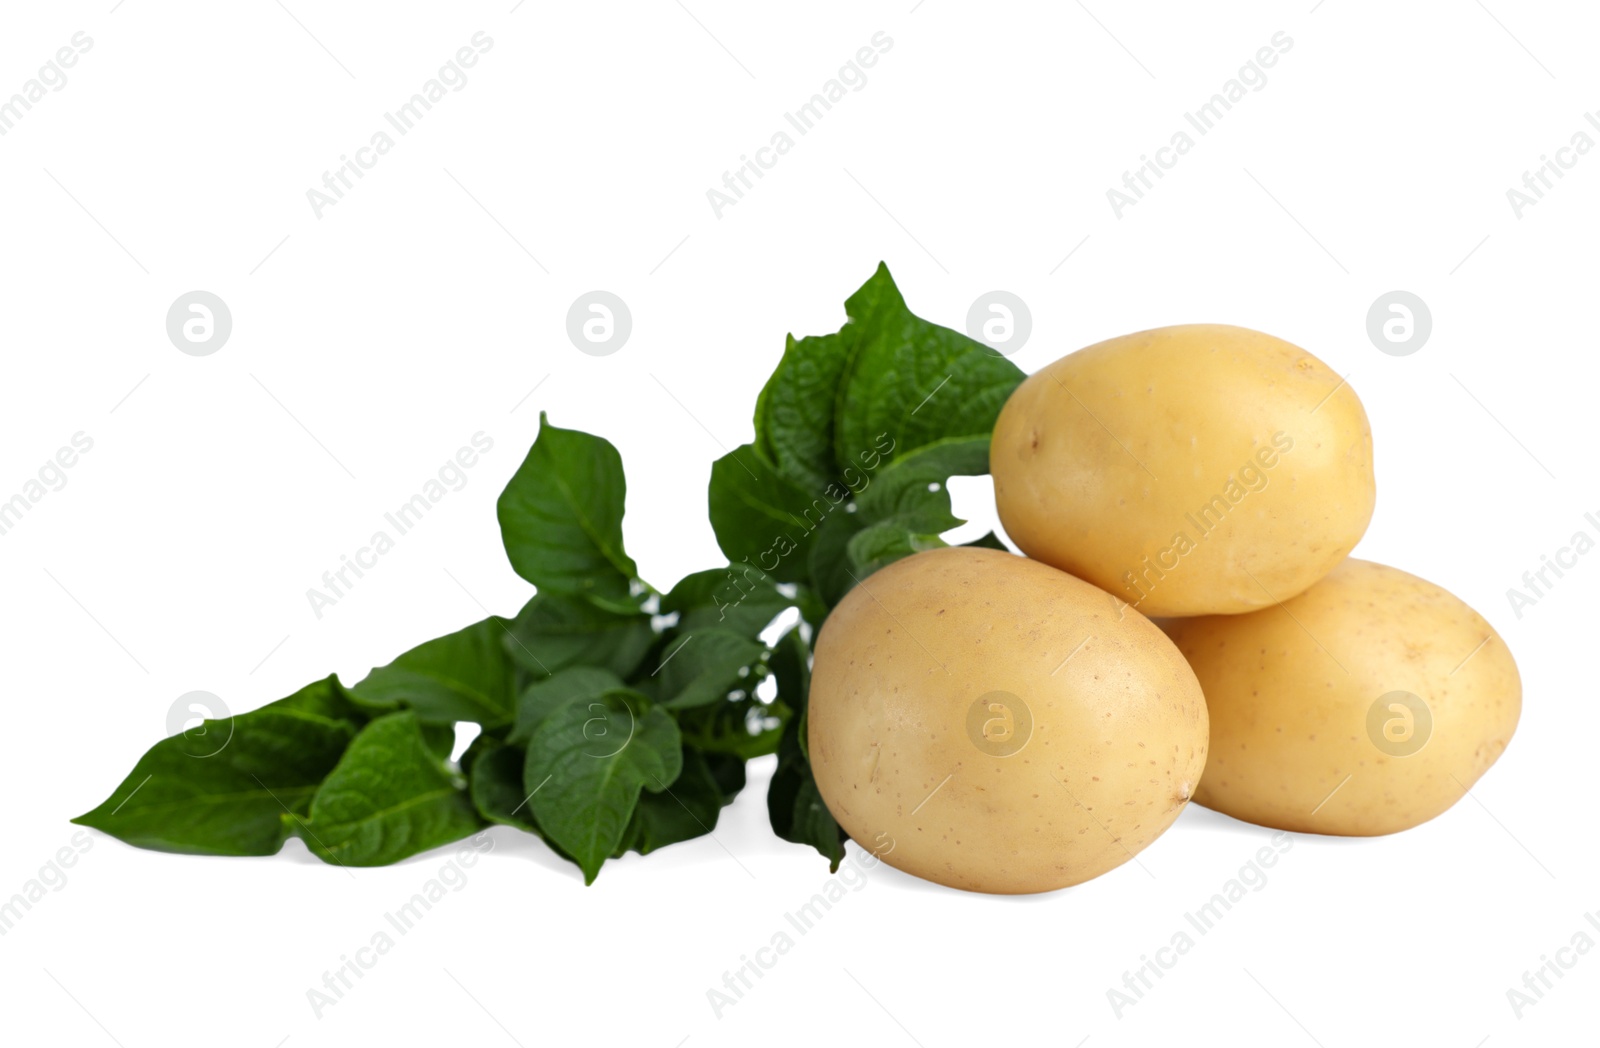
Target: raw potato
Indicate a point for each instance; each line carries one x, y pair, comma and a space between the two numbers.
1315, 693
990, 723
1193, 470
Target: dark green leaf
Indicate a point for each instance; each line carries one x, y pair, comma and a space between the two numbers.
683, 811
496, 787
913, 380
586, 765
740, 599
462, 676
577, 684
794, 807
553, 632
561, 518
912, 489
729, 771
988, 540
746, 727
832, 573
791, 672
389, 798
704, 666
441, 739
763, 519
795, 414
903, 510
224, 792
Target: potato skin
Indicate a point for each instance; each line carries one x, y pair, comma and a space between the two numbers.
1117, 741
1192, 470
1292, 692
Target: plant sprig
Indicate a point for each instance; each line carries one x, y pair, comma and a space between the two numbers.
614, 717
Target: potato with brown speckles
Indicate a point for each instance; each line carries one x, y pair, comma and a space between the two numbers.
1193, 470
990, 723
1367, 705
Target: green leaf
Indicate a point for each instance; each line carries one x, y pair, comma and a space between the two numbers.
587, 763
795, 414
913, 489
791, 672
704, 666
913, 380
907, 507
883, 544
683, 811
794, 807
498, 795
441, 740
740, 599
553, 632
576, 684
389, 797
989, 540
496, 787
462, 676
742, 728
762, 518
832, 572
187, 795
729, 771
561, 518
814, 824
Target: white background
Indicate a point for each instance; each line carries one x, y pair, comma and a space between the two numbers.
373, 342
